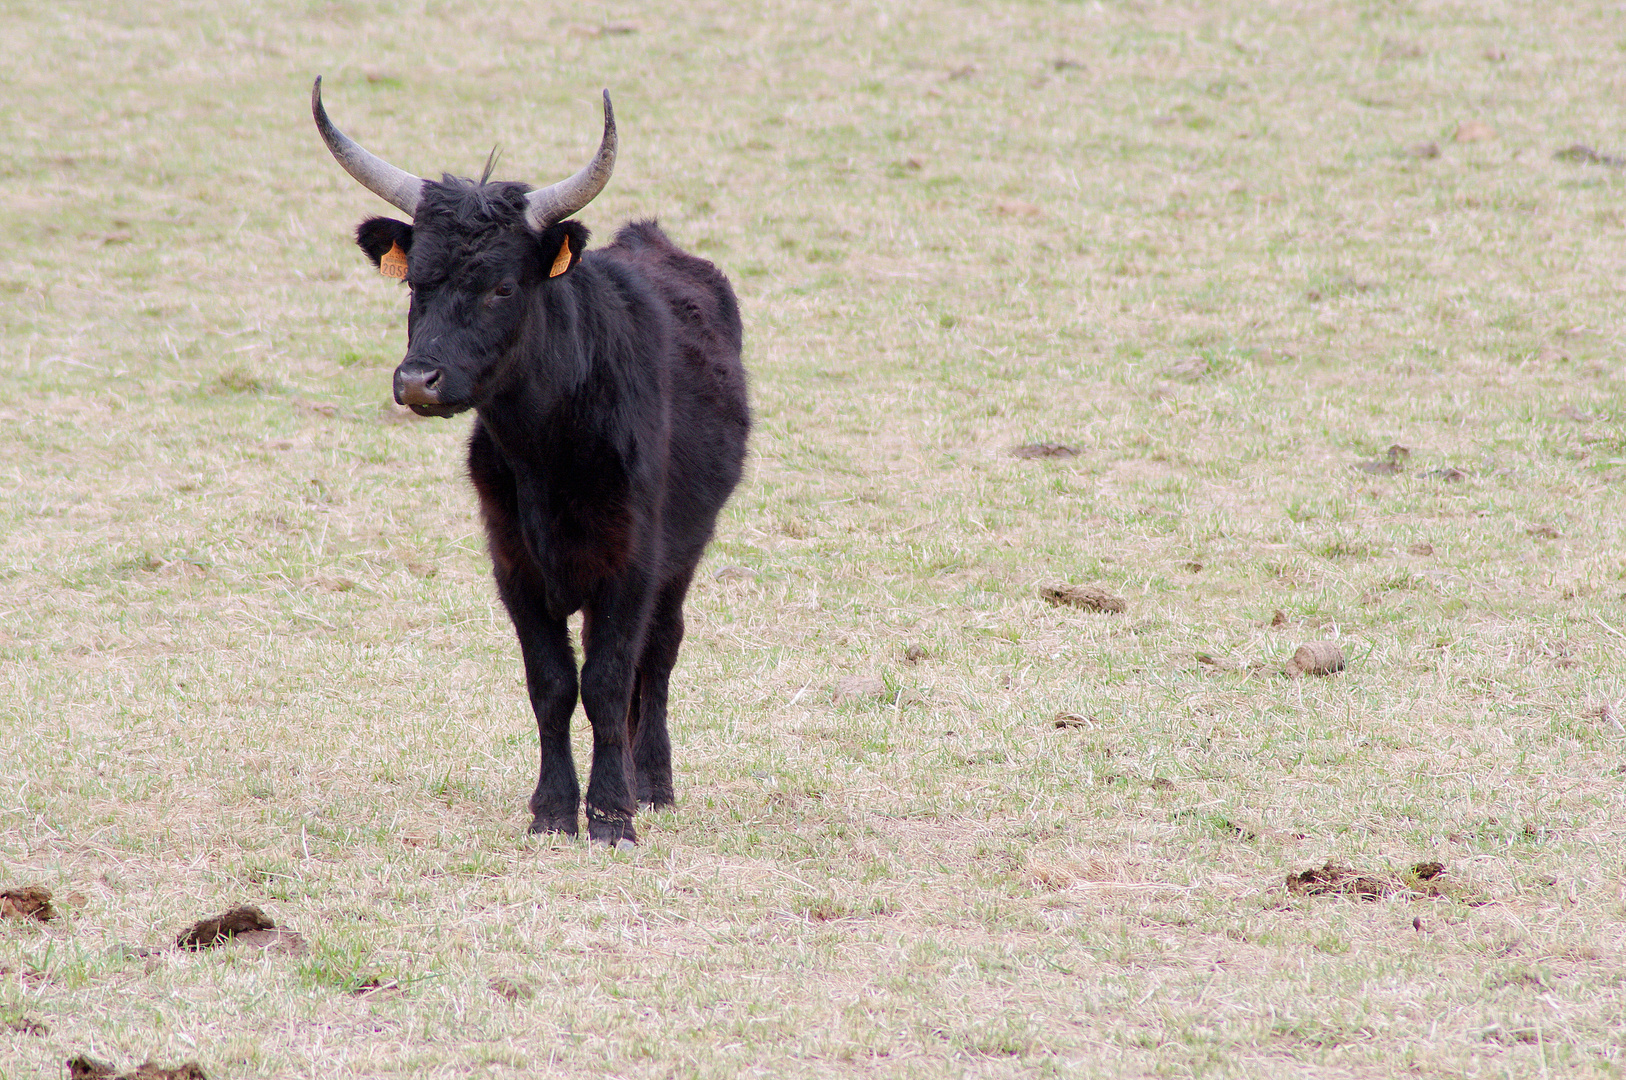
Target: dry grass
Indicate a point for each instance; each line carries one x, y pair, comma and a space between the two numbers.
250, 652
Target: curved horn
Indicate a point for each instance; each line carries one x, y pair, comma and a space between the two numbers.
398, 188
558, 201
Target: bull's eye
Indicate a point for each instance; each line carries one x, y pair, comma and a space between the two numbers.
506, 289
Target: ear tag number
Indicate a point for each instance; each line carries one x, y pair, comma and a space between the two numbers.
562, 263
394, 263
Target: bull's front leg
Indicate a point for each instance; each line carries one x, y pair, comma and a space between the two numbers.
550, 676
613, 630
539, 623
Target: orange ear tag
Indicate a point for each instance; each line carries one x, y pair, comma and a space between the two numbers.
562, 263
394, 263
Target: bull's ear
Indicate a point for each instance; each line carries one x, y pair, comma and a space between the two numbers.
386, 242
562, 246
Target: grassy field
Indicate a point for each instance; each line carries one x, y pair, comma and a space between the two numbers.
928, 823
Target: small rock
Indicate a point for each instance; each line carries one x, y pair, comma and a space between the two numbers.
1421, 549
1473, 131
1073, 720
1316, 658
735, 573
1424, 150
1543, 532
914, 654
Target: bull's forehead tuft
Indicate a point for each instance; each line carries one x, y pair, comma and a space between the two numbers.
464, 204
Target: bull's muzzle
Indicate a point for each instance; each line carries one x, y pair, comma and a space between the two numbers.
417, 383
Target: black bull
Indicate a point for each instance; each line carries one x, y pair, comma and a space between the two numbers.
610, 428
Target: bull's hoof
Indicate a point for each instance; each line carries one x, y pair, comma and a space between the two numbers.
611, 831
554, 824
656, 797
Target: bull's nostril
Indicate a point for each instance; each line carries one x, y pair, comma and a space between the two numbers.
431, 380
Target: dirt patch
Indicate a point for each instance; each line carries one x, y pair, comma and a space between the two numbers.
88, 1068
1045, 450
1316, 658
858, 688
512, 989
1073, 720
1335, 880
1424, 879
28, 902
374, 985
25, 1026
276, 939
1393, 463
208, 933
391, 413
1582, 154
1600, 710
1088, 597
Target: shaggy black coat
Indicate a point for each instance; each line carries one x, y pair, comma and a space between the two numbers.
611, 423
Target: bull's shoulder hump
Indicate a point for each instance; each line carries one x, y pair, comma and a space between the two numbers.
637, 235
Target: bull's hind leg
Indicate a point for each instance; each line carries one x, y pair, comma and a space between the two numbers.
651, 744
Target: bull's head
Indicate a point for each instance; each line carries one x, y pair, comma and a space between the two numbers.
473, 252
